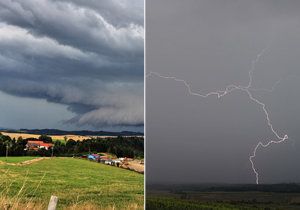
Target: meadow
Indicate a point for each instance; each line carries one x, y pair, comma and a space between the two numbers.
228, 202
78, 183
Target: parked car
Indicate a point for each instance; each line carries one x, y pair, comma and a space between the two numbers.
94, 157
109, 162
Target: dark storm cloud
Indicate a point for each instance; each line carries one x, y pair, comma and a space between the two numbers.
87, 55
118, 12
211, 44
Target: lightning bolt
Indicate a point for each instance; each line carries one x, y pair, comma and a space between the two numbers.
246, 89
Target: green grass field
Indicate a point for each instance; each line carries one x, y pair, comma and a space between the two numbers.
16, 159
222, 201
75, 181
169, 203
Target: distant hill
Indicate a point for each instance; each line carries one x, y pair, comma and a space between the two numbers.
80, 133
282, 188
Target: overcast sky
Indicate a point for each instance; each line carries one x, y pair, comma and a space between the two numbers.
72, 64
212, 44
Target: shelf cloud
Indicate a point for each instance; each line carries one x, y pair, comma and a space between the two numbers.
86, 55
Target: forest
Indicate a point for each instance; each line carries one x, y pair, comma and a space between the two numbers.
132, 147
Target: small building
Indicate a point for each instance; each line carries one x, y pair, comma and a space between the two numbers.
36, 145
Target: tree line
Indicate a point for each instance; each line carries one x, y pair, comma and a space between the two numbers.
132, 147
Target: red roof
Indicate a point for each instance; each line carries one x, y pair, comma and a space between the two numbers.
40, 143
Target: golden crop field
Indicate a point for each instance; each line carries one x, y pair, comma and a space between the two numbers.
54, 137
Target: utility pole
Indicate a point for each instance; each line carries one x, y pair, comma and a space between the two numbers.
52, 151
6, 154
8, 145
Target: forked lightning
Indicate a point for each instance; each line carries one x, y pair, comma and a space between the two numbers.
247, 89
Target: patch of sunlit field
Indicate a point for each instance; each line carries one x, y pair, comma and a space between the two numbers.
78, 184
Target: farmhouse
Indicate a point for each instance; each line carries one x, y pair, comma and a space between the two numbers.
36, 145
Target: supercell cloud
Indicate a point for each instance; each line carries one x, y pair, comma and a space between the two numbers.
86, 55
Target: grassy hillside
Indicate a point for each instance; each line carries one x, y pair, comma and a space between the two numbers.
76, 182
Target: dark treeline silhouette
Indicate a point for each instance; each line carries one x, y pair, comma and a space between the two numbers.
182, 188
132, 147
280, 188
